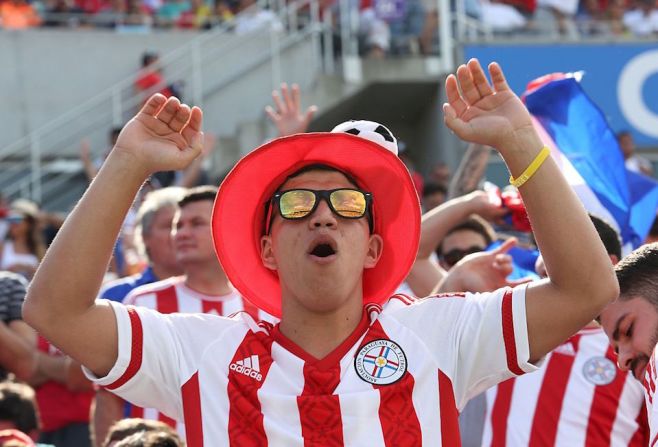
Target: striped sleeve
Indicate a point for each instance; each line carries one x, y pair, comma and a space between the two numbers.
478, 340
157, 354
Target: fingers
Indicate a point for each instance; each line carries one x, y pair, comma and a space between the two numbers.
167, 113
278, 103
497, 77
194, 125
310, 112
470, 94
274, 117
294, 102
180, 118
479, 79
153, 104
454, 98
505, 246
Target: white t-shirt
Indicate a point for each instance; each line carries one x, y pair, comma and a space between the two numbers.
577, 398
399, 379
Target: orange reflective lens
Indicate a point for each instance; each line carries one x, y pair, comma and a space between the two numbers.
299, 203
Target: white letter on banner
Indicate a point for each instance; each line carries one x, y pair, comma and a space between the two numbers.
629, 92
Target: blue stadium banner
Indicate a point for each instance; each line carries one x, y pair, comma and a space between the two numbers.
622, 79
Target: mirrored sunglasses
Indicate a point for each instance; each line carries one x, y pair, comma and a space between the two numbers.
299, 203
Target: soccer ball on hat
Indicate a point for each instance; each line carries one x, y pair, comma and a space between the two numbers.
370, 130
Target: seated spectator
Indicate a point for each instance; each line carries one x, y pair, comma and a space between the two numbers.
197, 17
501, 17
23, 247
632, 160
405, 20
556, 18
171, 11
137, 16
125, 428
642, 20
250, 17
18, 410
18, 14
62, 13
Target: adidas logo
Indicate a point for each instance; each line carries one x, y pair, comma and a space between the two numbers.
249, 366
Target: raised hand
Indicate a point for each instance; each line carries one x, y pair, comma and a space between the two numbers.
484, 113
482, 272
288, 117
165, 135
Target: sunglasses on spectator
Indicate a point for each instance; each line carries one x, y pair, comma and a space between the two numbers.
297, 204
456, 254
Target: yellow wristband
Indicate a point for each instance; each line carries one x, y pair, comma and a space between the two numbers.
531, 169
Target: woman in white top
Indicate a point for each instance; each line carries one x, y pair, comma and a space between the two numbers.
23, 248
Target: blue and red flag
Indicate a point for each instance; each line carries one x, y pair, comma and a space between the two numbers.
586, 150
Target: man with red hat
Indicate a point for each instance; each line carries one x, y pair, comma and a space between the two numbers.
319, 229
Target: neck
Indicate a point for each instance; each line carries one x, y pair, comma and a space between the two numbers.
207, 279
163, 271
319, 333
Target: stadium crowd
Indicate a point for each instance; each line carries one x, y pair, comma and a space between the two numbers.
385, 27
164, 259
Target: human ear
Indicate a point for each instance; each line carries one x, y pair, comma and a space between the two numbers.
267, 252
375, 249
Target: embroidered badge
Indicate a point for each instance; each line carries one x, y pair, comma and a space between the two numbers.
380, 362
599, 370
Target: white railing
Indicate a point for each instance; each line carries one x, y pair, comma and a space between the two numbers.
92, 118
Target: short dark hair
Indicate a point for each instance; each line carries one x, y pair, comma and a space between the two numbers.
17, 406
125, 428
150, 439
637, 276
608, 235
432, 188
198, 194
473, 223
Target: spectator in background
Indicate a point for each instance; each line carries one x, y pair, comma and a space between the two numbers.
18, 411
62, 13
199, 16
16, 354
633, 161
90, 165
126, 428
642, 20
404, 155
251, 17
433, 195
153, 239
137, 16
167, 15
150, 79
23, 246
405, 20
18, 14
653, 233
440, 174
556, 18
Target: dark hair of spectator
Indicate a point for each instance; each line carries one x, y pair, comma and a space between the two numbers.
150, 439
198, 194
636, 274
148, 57
432, 188
653, 231
608, 235
125, 428
18, 407
476, 224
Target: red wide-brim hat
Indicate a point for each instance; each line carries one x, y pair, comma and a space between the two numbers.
238, 215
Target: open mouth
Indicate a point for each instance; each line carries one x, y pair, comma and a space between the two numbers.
323, 251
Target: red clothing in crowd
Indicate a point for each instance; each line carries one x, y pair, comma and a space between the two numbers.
58, 406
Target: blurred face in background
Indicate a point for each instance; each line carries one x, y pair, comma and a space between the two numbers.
158, 241
192, 235
458, 244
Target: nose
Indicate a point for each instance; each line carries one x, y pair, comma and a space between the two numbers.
625, 358
322, 216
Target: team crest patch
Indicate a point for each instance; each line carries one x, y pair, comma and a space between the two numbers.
380, 362
600, 371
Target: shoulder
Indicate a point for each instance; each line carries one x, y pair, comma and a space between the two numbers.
155, 288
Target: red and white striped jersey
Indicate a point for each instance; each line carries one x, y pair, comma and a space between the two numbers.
649, 384
172, 295
577, 398
398, 379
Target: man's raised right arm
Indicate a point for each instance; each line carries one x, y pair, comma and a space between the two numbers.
60, 303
